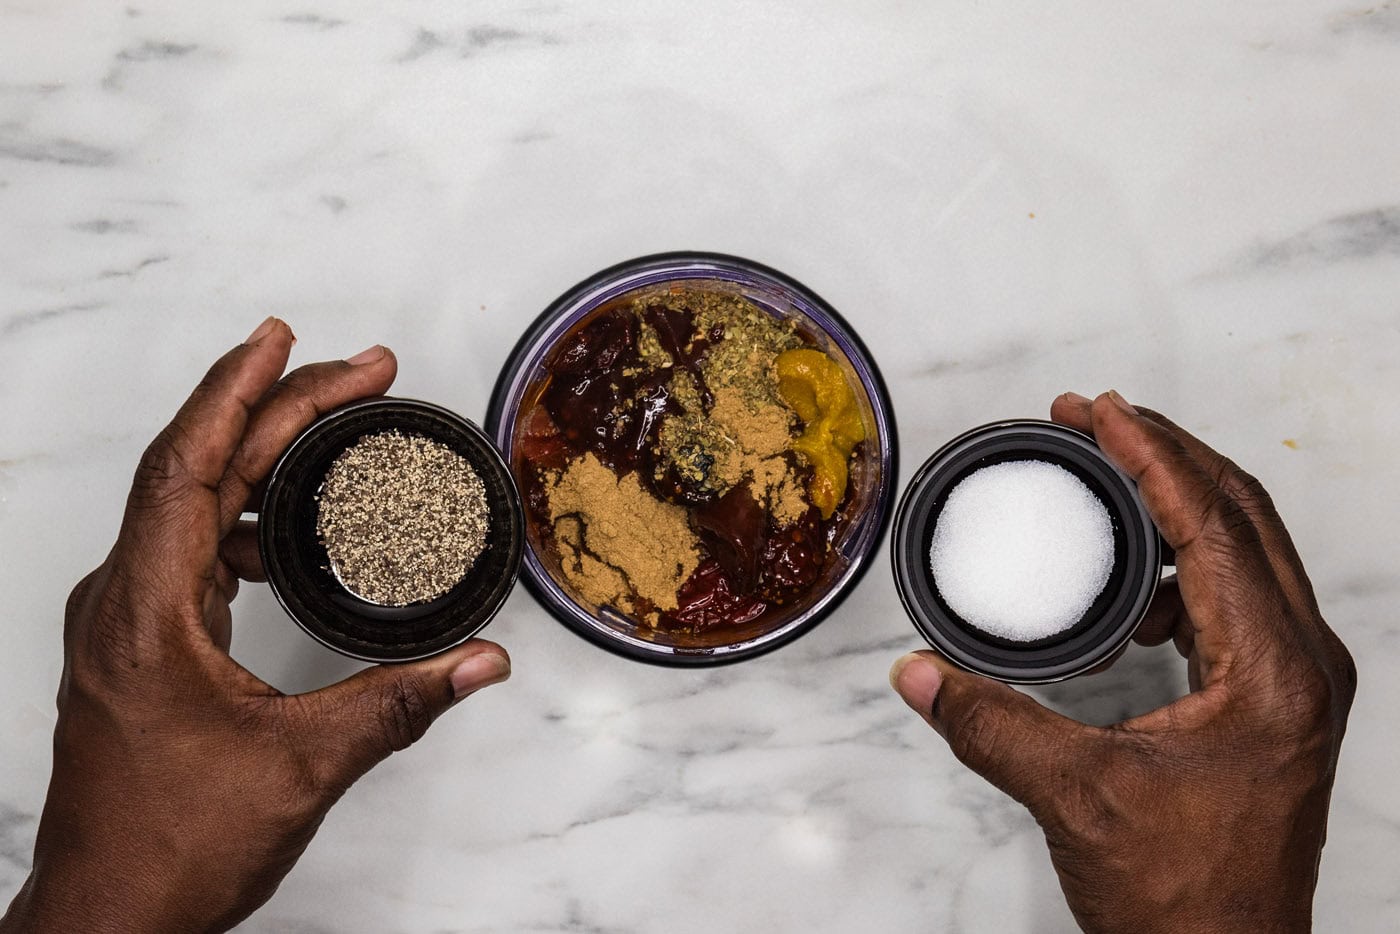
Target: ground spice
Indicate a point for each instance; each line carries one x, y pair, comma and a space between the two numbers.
616, 539
744, 431
777, 486
403, 518
735, 442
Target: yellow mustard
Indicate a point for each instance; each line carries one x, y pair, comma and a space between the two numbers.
812, 384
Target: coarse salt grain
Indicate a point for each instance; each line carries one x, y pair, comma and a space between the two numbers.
1021, 549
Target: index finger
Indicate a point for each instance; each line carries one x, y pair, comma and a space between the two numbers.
172, 512
1223, 572
293, 403
1257, 504
1075, 411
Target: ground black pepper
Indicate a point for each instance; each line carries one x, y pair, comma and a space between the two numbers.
403, 518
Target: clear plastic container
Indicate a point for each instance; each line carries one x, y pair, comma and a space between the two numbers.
872, 475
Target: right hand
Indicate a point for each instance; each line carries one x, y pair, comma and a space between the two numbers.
1208, 814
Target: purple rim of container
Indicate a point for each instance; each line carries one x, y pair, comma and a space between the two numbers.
525, 360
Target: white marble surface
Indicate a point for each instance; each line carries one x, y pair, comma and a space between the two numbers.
1197, 203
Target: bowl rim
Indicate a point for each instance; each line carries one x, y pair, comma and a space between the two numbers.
540, 583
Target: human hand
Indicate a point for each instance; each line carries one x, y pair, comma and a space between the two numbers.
1208, 814
184, 788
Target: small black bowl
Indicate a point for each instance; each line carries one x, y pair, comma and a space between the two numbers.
299, 569
1110, 620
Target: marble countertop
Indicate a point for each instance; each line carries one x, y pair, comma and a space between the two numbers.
1197, 204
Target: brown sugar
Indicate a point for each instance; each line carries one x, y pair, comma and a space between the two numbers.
744, 432
617, 540
761, 437
777, 486
735, 441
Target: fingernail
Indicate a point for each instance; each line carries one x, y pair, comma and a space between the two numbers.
917, 680
479, 671
368, 355
1121, 402
1076, 398
262, 330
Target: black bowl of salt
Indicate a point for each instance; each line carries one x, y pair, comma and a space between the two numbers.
1022, 553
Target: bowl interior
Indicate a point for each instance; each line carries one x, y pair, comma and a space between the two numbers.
300, 570
865, 509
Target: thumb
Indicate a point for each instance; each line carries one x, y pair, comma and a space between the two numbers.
381, 710
1001, 734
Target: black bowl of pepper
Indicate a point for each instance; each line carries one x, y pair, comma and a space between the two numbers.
391, 530
706, 453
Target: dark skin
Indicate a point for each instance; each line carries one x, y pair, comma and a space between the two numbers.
189, 787
1208, 814
184, 787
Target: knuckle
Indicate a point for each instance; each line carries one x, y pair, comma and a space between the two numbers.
163, 472
1089, 815
1246, 489
78, 596
1224, 526
311, 779
126, 634
1244, 484
302, 793
1154, 415
1345, 676
404, 713
106, 646
105, 664
159, 462
306, 783
1349, 684
1233, 520
1108, 782
1305, 703
975, 739
298, 391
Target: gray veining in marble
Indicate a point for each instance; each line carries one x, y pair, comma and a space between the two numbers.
1196, 204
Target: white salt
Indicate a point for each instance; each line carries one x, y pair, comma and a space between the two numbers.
1021, 549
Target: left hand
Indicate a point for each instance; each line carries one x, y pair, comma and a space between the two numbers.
184, 788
